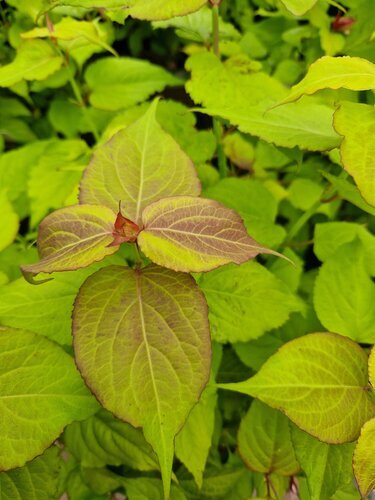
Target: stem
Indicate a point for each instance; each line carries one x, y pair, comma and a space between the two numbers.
217, 126
138, 261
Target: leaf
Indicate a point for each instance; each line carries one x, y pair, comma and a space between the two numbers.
138, 166
150, 369
35, 60
319, 381
299, 7
74, 237
72, 30
364, 459
259, 216
9, 221
117, 83
46, 309
145, 488
371, 367
191, 234
344, 294
37, 479
245, 100
246, 301
327, 467
356, 122
40, 393
264, 441
103, 440
161, 9
353, 73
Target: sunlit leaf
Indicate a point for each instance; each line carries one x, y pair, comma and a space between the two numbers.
356, 122
191, 234
37, 479
264, 441
327, 466
35, 60
117, 83
320, 382
150, 369
299, 7
245, 100
328, 72
74, 237
364, 459
138, 166
246, 301
45, 396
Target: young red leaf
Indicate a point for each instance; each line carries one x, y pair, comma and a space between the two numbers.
191, 234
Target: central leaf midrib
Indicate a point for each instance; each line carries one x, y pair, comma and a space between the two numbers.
145, 340
141, 172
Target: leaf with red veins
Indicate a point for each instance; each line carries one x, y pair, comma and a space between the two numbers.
72, 238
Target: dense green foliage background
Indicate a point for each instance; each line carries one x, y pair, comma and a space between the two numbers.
302, 177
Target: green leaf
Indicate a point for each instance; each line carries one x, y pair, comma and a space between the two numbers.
259, 216
138, 166
74, 237
299, 7
371, 367
45, 309
246, 301
191, 234
364, 459
328, 72
319, 381
37, 479
40, 393
145, 488
35, 60
161, 9
103, 440
344, 294
356, 122
150, 369
264, 441
328, 467
9, 221
117, 83
245, 100
72, 30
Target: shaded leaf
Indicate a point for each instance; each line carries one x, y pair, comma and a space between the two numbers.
191, 234
264, 441
46, 395
37, 479
328, 467
356, 122
364, 459
35, 60
9, 221
246, 301
138, 166
299, 7
319, 381
151, 368
344, 294
328, 72
117, 83
103, 440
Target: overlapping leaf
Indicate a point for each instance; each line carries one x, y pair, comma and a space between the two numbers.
141, 341
328, 72
356, 123
264, 441
74, 237
138, 166
117, 83
364, 459
320, 382
40, 393
245, 100
299, 7
194, 234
